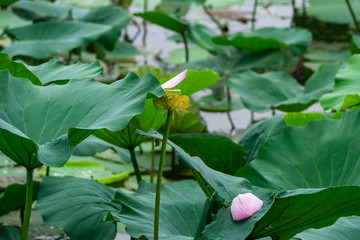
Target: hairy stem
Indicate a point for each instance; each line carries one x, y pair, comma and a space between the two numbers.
28, 203
159, 175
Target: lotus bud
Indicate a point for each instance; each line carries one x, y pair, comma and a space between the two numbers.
244, 206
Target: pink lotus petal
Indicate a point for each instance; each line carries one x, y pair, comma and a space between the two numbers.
244, 206
175, 80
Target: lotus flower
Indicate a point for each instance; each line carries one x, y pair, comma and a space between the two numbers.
173, 100
175, 80
244, 206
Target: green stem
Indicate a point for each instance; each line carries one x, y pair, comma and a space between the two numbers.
228, 95
216, 21
159, 175
79, 53
186, 46
303, 12
47, 171
135, 164
253, 16
145, 24
201, 181
294, 12
69, 58
28, 203
152, 160
353, 16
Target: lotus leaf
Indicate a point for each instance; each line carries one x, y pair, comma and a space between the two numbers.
58, 117
296, 39
347, 87
261, 92
82, 212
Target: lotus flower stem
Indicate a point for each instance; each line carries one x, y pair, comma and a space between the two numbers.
229, 109
152, 160
222, 28
159, 175
69, 58
253, 17
28, 203
80, 53
185, 46
135, 164
144, 24
353, 16
47, 171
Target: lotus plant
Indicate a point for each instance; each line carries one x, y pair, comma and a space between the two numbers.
172, 102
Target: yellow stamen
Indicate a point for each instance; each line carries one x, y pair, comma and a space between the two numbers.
173, 101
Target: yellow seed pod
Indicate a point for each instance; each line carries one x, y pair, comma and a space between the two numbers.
173, 101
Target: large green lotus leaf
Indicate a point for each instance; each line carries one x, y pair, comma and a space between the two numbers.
256, 134
195, 81
40, 125
178, 56
10, 233
113, 16
217, 152
296, 39
346, 228
227, 186
273, 60
79, 206
52, 71
261, 92
201, 35
13, 197
292, 212
46, 39
150, 118
9, 19
320, 83
18, 69
181, 205
347, 87
174, 7
123, 50
165, 20
301, 119
90, 146
333, 11
55, 71
44, 11
324, 153
211, 103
